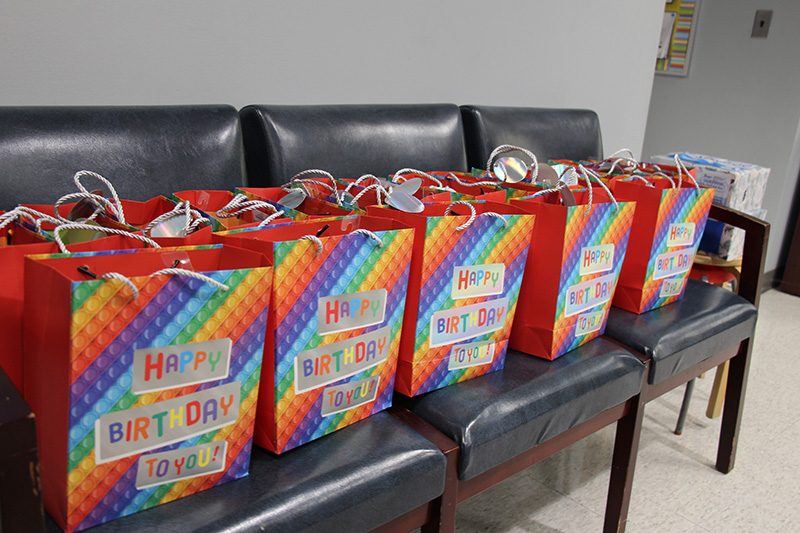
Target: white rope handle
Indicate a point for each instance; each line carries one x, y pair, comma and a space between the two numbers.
399, 175
193, 218
472, 215
544, 192
506, 148
497, 216
31, 214
378, 190
458, 180
97, 200
165, 271
102, 229
369, 234
680, 165
622, 151
299, 178
311, 171
315, 240
357, 183
273, 216
191, 274
118, 210
241, 204
646, 181
587, 174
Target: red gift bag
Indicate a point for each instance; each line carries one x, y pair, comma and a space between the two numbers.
333, 334
143, 380
23, 243
462, 292
571, 276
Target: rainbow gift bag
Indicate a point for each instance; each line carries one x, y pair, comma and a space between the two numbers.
334, 328
666, 232
144, 380
571, 275
468, 263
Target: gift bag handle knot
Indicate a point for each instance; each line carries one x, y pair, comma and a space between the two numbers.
315, 240
369, 234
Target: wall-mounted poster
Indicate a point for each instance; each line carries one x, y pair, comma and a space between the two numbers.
677, 33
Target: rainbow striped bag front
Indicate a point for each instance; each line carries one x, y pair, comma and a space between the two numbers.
143, 370
333, 334
571, 273
666, 232
469, 258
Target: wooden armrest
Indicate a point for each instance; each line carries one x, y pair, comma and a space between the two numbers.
755, 249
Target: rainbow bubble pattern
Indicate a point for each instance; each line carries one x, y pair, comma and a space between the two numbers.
106, 328
348, 264
588, 226
685, 205
485, 241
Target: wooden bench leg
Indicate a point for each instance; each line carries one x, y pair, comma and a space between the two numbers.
626, 446
734, 402
718, 391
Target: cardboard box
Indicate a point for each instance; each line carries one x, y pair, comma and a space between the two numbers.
737, 185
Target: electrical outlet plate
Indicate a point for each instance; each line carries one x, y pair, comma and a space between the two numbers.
761, 23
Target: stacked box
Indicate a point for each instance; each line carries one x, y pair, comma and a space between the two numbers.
740, 186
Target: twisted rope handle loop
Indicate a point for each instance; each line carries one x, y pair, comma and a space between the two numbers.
681, 169
315, 240
357, 183
97, 200
399, 175
101, 229
240, 204
473, 215
193, 218
164, 271
587, 175
369, 234
118, 212
31, 214
299, 178
506, 148
378, 190
458, 180
273, 216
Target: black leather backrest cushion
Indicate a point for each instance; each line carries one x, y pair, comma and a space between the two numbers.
350, 140
548, 133
144, 151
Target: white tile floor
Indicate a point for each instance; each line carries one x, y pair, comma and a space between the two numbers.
675, 486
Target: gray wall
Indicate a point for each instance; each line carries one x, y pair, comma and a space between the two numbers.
548, 53
741, 100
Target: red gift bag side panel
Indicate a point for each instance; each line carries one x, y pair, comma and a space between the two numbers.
47, 383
